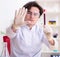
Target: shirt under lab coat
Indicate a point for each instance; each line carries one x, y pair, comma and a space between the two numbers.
26, 42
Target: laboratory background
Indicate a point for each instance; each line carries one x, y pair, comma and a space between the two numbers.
51, 17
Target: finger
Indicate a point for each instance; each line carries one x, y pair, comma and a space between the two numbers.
23, 10
43, 26
19, 12
15, 15
24, 14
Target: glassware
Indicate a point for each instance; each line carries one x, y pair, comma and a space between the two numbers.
4, 52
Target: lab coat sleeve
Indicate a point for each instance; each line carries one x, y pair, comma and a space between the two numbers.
10, 33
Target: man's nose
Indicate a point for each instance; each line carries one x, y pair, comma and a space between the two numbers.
32, 15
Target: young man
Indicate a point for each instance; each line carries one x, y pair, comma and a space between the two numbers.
25, 35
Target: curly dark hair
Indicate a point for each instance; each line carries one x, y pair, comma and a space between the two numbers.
34, 4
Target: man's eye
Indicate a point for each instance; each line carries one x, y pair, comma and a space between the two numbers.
35, 14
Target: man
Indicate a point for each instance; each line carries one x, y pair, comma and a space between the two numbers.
25, 35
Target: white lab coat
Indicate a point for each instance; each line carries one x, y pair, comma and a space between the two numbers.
26, 42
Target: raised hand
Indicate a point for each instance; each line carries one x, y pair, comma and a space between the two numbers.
19, 17
48, 31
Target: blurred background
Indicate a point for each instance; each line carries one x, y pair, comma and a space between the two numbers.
52, 16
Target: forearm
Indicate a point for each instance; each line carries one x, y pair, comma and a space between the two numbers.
14, 28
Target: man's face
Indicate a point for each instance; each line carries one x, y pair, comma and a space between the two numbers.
32, 15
